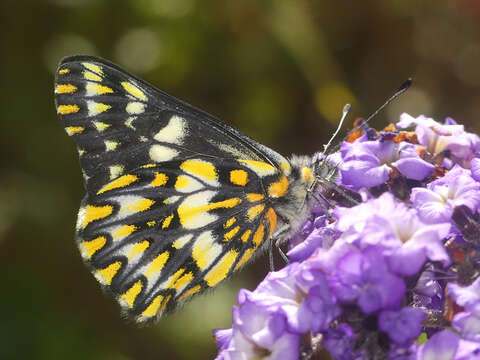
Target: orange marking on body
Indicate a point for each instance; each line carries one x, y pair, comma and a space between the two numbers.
271, 216
279, 188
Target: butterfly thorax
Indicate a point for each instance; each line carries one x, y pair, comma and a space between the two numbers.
295, 206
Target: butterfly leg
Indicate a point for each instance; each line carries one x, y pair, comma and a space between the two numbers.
276, 239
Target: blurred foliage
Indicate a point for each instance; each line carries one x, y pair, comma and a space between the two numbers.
280, 70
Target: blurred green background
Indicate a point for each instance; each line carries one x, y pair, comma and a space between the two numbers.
279, 70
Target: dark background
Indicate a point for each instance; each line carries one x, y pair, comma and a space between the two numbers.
279, 70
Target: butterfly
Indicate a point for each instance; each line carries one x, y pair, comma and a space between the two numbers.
176, 200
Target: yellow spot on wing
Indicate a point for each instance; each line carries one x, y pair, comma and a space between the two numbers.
199, 168
258, 236
165, 302
229, 223
137, 206
97, 89
221, 269
67, 109
152, 309
245, 257
255, 197
132, 293
286, 168
205, 250
125, 230
254, 211
157, 264
160, 179
133, 90
271, 216
138, 248
65, 88
181, 182
172, 279
246, 235
93, 67
64, 71
72, 130
181, 282
186, 212
239, 177
278, 188
167, 221
260, 167
110, 271
180, 242
229, 235
190, 292
121, 182
93, 213
151, 223
95, 108
92, 246
91, 76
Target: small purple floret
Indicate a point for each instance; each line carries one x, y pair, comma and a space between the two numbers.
402, 326
369, 163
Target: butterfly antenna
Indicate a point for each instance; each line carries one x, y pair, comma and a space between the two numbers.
399, 92
346, 110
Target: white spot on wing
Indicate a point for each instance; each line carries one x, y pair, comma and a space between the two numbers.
160, 153
192, 185
115, 171
181, 241
135, 107
128, 122
173, 132
110, 145
190, 217
205, 250
80, 218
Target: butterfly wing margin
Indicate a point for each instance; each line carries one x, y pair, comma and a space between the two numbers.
119, 122
160, 234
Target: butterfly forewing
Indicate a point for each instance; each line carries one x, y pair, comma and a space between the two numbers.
120, 122
176, 200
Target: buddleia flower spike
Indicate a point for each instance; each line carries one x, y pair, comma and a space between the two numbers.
393, 277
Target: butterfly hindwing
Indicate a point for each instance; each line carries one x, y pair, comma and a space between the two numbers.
161, 233
120, 122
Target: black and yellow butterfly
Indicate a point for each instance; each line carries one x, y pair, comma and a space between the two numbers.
176, 200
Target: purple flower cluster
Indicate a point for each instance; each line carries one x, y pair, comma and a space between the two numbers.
393, 277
